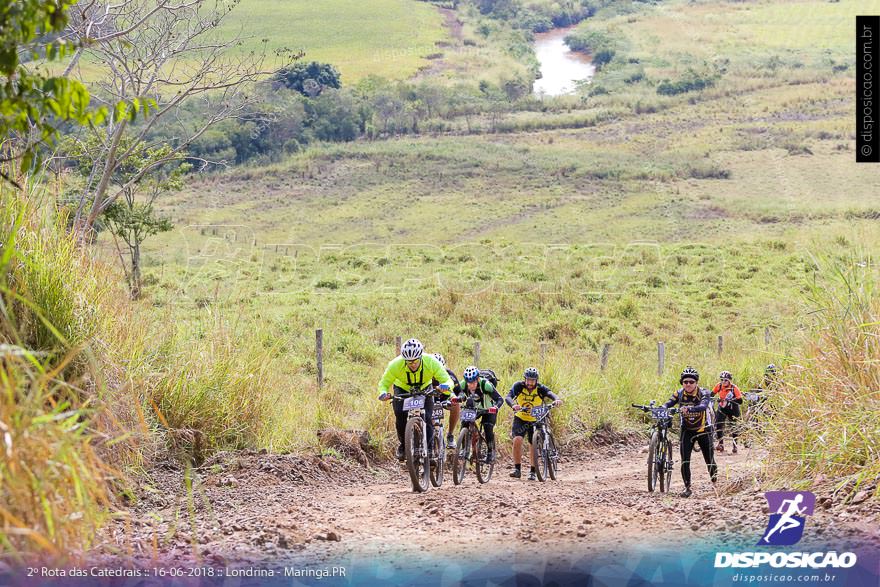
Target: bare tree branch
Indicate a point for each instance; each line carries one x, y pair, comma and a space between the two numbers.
164, 53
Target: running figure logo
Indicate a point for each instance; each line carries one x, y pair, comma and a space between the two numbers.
786, 525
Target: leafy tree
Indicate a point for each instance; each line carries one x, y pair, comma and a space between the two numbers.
133, 217
156, 55
309, 79
34, 104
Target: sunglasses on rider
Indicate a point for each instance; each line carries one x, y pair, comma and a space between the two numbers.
688, 381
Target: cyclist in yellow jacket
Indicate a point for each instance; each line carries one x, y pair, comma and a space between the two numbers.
413, 371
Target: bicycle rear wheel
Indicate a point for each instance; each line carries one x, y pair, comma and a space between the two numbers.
540, 454
461, 455
552, 456
484, 469
417, 465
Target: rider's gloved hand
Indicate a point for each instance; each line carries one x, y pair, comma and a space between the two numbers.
493, 410
384, 396
557, 403
454, 399
517, 407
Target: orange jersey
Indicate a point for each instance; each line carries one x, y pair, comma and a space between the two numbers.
726, 393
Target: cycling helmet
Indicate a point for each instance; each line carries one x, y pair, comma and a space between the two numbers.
471, 374
412, 349
771, 368
530, 373
689, 373
440, 358
725, 376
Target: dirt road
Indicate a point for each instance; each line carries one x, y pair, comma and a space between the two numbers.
250, 507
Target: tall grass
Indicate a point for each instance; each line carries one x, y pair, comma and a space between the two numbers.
89, 389
827, 420
52, 478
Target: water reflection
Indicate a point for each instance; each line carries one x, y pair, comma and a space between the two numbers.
560, 67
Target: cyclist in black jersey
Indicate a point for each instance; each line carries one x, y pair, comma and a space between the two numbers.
697, 424
454, 409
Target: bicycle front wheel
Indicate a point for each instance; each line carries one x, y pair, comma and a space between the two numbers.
484, 469
653, 472
552, 456
666, 467
416, 463
540, 454
461, 455
440, 451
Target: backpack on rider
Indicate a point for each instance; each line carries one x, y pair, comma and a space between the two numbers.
489, 375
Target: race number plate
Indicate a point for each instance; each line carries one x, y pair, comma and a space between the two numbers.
414, 403
660, 413
438, 413
468, 415
538, 411
752, 397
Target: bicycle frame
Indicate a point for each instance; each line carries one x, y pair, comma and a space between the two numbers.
419, 413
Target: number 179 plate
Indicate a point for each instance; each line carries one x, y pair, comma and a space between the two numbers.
468, 415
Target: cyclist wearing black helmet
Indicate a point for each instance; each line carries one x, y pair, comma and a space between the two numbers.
771, 376
696, 424
757, 407
523, 395
488, 399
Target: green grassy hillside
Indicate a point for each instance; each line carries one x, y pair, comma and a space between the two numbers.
661, 218
390, 38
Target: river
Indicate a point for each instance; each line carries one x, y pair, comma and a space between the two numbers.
560, 67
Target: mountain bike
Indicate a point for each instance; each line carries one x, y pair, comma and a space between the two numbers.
754, 415
546, 453
472, 446
660, 450
438, 466
416, 450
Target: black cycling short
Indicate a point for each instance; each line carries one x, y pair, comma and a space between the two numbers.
523, 428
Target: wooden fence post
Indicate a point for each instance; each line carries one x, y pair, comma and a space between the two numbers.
477, 354
543, 354
603, 360
397, 343
720, 344
767, 337
319, 354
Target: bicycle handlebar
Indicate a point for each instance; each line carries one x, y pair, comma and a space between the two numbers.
649, 408
432, 391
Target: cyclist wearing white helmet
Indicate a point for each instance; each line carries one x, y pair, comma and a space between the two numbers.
728, 409
454, 409
413, 371
526, 394
696, 424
